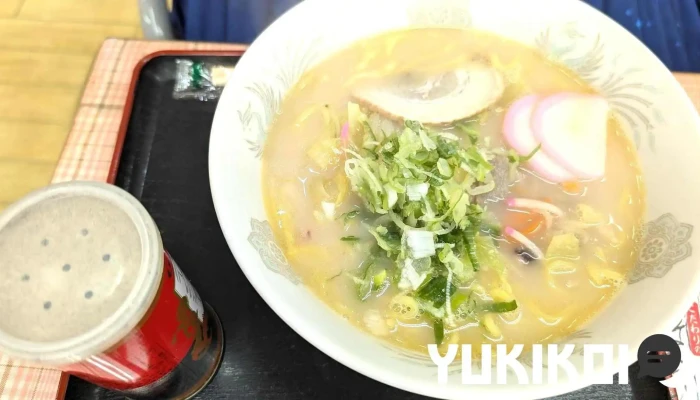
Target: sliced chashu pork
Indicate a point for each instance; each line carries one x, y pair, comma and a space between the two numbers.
436, 99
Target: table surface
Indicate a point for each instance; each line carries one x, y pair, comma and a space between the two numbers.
47, 48
87, 155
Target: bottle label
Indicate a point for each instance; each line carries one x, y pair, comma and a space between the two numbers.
184, 289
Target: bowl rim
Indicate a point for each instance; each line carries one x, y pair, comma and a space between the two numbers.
338, 351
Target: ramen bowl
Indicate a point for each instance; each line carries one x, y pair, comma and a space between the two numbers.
653, 109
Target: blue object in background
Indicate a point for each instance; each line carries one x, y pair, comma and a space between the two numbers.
670, 28
233, 21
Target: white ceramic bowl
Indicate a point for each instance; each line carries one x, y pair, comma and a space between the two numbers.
650, 103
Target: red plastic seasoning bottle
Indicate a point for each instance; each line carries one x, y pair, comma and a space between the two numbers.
88, 288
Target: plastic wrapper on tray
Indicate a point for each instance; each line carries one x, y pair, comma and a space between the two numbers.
199, 80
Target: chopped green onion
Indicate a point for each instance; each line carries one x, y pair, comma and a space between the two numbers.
515, 158
379, 278
363, 285
421, 243
488, 254
532, 154
439, 331
491, 229
470, 239
444, 168
350, 239
502, 307
476, 156
413, 273
420, 185
369, 278
349, 215
435, 291
417, 192
471, 133
388, 241
458, 299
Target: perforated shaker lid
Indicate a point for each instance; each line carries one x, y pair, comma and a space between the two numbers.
80, 264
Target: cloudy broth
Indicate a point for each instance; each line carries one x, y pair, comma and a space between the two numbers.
551, 303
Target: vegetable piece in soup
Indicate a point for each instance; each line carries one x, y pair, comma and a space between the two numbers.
450, 186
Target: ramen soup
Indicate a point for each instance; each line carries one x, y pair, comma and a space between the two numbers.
449, 186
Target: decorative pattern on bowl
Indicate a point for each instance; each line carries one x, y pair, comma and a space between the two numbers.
266, 95
666, 243
444, 14
263, 240
584, 51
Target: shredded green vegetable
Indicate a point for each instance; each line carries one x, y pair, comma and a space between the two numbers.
469, 130
349, 216
435, 291
502, 307
415, 181
439, 331
470, 237
515, 158
370, 278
